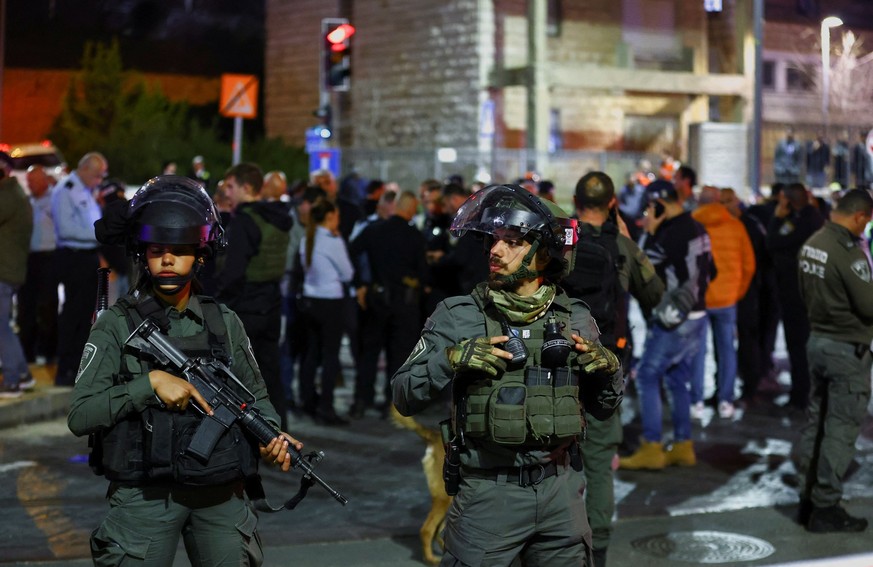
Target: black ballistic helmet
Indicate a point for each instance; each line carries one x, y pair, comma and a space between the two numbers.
171, 209
512, 207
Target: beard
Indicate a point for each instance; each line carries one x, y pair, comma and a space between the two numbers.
496, 283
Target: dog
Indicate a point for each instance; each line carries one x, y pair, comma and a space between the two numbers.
432, 463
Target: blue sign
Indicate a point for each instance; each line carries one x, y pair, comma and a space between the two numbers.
328, 158
316, 138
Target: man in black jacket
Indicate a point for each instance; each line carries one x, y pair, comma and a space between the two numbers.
794, 220
248, 283
390, 316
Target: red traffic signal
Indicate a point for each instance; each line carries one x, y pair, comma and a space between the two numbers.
336, 54
338, 36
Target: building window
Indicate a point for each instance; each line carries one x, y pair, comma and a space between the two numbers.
768, 74
797, 79
553, 19
555, 142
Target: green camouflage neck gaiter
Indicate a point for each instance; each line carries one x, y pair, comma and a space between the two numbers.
524, 309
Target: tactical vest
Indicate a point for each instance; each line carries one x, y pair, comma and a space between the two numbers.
268, 265
151, 445
528, 404
595, 280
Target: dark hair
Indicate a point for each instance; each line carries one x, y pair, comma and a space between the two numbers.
594, 191
454, 189
688, 174
247, 173
855, 201
373, 186
431, 184
775, 189
313, 193
317, 215
797, 195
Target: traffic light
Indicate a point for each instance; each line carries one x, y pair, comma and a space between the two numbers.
336, 53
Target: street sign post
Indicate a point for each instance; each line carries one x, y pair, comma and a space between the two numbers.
328, 158
316, 139
239, 99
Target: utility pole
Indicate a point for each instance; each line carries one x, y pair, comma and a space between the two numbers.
537, 89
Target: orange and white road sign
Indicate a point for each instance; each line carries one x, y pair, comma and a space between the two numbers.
239, 96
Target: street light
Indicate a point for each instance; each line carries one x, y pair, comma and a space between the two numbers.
826, 25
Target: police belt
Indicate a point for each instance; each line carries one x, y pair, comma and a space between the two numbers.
529, 475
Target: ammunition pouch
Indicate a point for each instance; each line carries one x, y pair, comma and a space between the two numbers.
512, 412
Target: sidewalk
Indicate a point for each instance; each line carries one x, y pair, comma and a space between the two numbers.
46, 401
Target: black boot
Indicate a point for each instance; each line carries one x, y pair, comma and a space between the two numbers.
834, 519
599, 557
804, 510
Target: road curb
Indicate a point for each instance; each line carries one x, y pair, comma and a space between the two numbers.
44, 404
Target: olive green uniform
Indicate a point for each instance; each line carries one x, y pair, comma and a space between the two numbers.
145, 519
636, 274
837, 288
495, 517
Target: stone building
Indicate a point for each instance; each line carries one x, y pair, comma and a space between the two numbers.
513, 85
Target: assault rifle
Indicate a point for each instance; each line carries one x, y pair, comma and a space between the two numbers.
213, 379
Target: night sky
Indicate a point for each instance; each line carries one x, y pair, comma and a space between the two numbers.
205, 37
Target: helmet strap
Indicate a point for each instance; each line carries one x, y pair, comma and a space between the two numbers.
524, 271
178, 281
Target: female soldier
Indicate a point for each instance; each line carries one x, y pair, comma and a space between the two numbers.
141, 417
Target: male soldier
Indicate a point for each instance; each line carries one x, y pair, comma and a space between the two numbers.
519, 356
837, 288
74, 212
255, 263
608, 266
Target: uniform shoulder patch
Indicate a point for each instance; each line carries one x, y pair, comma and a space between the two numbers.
88, 354
861, 269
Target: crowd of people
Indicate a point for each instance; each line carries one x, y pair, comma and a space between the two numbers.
302, 265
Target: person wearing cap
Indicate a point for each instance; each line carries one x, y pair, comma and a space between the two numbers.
16, 225
199, 172
519, 358
608, 266
680, 250
141, 415
74, 212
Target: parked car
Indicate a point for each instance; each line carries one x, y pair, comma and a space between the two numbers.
35, 153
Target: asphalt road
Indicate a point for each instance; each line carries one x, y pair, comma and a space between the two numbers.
736, 507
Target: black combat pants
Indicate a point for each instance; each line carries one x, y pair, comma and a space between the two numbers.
77, 271
395, 327
37, 318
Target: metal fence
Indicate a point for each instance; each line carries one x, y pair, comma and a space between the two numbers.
409, 167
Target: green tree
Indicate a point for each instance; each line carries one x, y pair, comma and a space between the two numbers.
137, 128
91, 100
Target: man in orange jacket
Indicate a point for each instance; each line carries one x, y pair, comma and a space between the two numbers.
735, 262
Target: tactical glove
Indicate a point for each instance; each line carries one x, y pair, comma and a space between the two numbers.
475, 355
598, 358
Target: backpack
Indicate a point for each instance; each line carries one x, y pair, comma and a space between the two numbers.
595, 280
